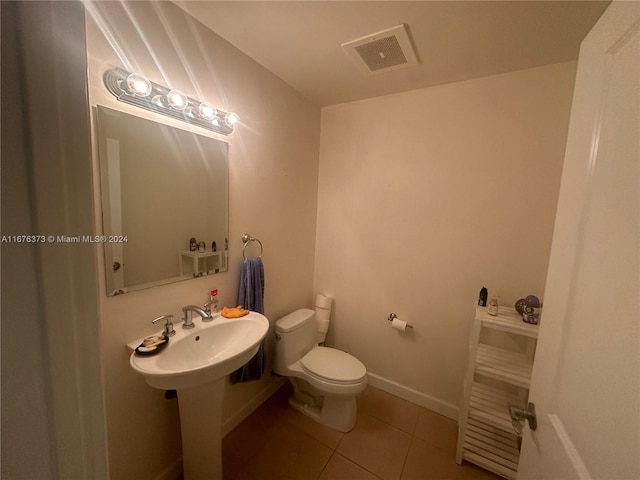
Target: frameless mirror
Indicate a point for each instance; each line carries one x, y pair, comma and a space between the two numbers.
161, 187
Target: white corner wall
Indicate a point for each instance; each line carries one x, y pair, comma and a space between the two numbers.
423, 198
273, 159
53, 423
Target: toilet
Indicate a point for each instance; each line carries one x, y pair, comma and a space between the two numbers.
325, 380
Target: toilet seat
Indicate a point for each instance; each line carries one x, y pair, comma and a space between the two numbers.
332, 365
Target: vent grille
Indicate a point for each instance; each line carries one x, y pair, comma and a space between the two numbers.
383, 51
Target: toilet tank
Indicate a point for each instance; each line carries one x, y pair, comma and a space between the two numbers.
295, 336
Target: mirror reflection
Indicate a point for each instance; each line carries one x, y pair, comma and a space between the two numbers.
164, 202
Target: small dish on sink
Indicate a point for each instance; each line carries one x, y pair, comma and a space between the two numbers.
152, 345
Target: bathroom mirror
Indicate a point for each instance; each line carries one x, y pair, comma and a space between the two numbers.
161, 186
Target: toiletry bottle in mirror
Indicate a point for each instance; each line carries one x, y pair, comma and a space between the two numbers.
493, 306
214, 247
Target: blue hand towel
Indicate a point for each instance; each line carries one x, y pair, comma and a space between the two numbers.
251, 297
251, 294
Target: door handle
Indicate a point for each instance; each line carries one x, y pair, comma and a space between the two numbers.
518, 414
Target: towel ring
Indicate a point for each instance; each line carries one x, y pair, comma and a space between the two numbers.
247, 239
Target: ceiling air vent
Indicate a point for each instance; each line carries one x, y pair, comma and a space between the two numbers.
383, 51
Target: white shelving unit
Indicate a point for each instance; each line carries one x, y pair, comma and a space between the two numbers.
496, 377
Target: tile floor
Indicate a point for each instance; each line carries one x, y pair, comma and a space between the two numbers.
393, 440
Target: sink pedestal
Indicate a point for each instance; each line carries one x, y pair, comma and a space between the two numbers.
195, 363
200, 423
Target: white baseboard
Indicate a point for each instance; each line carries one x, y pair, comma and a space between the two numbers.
422, 399
172, 472
247, 409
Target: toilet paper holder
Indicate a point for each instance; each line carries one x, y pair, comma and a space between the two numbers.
392, 316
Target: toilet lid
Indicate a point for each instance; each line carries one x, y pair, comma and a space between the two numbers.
334, 365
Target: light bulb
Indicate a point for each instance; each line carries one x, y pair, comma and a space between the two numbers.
177, 100
139, 85
232, 118
206, 111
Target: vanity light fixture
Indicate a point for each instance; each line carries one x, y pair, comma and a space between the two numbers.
136, 89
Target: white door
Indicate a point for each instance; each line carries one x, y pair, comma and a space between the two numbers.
115, 255
586, 377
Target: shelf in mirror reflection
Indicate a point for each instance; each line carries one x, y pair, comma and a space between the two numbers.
201, 263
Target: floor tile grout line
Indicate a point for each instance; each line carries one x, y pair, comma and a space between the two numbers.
391, 424
358, 464
404, 463
326, 465
307, 434
387, 424
417, 417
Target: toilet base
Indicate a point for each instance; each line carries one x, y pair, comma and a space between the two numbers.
336, 412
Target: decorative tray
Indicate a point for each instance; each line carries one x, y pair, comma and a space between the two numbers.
155, 344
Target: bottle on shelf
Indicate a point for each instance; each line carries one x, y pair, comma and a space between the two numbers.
482, 299
493, 306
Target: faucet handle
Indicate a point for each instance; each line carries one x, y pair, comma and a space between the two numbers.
207, 308
168, 326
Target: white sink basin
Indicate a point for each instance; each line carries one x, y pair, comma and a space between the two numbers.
203, 354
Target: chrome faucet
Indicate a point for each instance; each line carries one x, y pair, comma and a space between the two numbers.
188, 312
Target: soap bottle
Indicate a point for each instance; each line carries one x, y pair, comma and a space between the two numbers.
493, 306
213, 300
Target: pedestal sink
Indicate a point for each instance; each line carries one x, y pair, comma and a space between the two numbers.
195, 363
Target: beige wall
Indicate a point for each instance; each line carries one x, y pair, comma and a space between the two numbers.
273, 159
423, 198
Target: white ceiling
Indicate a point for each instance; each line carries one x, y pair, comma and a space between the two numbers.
299, 41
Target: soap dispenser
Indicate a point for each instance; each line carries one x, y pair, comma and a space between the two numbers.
213, 300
